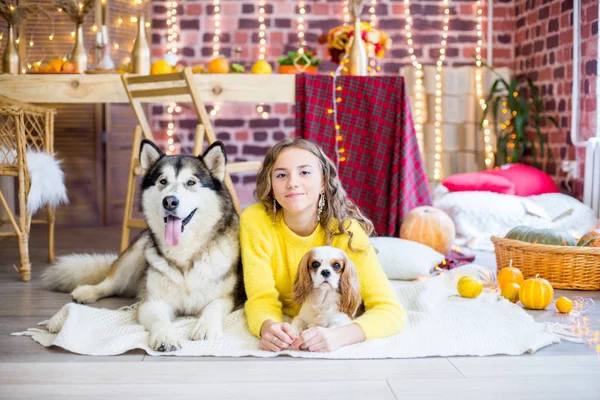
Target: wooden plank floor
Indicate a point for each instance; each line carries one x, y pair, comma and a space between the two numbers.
28, 370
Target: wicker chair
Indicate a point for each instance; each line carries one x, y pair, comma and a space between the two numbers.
24, 127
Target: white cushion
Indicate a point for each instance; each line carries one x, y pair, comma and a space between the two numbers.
404, 259
479, 215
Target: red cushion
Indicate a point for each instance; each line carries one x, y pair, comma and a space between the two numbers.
478, 182
528, 181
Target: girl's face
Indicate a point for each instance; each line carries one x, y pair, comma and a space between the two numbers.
297, 180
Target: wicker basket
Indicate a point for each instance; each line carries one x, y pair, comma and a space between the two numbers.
565, 267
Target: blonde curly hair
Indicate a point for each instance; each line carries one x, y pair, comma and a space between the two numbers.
338, 209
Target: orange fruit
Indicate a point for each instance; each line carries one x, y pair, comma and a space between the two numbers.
218, 65
46, 68
198, 69
469, 287
68, 66
161, 67
56, 64
262, 67
511, 292
509, 275
564, 305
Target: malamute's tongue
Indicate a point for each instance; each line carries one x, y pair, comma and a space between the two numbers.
173, 230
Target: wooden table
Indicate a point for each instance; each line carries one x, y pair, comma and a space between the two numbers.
108, 88
103, 89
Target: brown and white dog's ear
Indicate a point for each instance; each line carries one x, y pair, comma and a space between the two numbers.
149, 155
349, 289
303, 281
215, 159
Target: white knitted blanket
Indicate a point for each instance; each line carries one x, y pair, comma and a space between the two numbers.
439, 324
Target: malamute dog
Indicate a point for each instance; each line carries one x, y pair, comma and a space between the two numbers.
186, 263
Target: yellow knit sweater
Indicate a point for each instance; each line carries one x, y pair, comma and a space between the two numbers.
270, 257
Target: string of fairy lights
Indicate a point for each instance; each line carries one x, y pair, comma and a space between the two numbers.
217, 23
262, 30
262, 50
172, 46
336, 98
489, 153
300, 26
578, 321
216, 45
346, 12
374, 66
437, 170
419, 91
372, 13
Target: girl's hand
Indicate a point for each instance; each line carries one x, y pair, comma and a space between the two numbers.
276, 336
318, 339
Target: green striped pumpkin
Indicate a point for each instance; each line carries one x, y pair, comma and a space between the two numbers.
590, 239
541, 236
518, 232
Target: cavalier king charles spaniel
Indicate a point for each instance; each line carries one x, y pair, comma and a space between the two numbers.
327, 287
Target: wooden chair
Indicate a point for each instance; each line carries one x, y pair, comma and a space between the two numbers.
163, 88
24, 127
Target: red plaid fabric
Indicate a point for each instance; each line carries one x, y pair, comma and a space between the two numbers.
383, 172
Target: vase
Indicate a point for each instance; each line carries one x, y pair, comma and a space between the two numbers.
79, 56
106, 62
10, 57
357, 56
140, 56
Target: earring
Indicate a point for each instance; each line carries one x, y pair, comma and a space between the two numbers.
274, 211
321, 205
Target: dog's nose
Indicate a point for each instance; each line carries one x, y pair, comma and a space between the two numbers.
326, 273
170, 203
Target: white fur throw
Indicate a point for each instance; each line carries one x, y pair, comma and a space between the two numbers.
47, 180
439, 324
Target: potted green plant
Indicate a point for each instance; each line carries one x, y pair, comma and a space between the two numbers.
287, 64
13, 15
517, 105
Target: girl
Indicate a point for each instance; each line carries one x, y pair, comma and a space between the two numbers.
303, 205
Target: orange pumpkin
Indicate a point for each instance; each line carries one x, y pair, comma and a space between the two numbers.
291, 69
536, 293
429, 226
509, 275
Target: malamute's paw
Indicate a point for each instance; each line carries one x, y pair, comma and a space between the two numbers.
207, 330
85, 294
166, 339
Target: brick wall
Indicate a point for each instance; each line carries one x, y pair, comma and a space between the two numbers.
543, 52
246, 134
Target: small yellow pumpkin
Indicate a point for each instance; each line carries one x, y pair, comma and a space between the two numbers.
469, 287
511, 292
564, 305
536, 293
